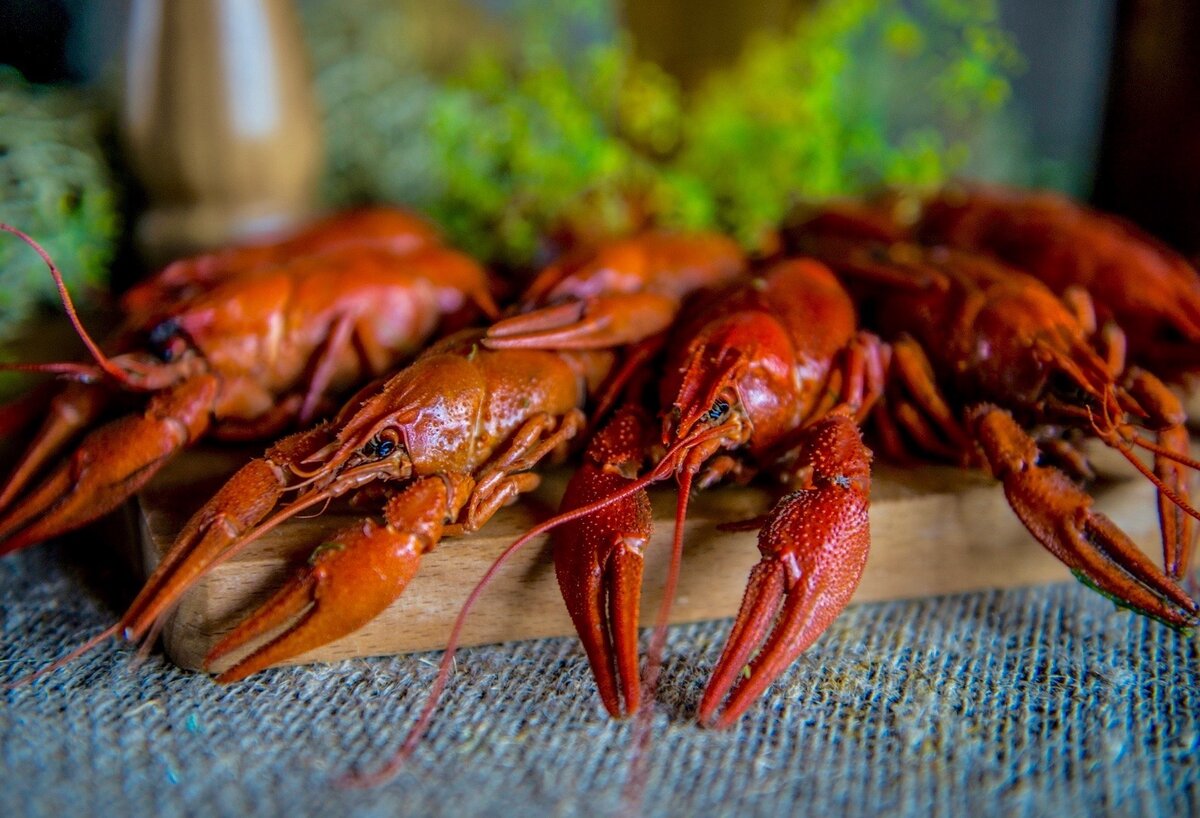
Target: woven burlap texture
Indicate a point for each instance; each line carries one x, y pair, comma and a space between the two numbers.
1034, 702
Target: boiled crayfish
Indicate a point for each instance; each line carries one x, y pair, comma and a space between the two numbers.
1151, 292
768, 374
238, 345
981, 354
447, 441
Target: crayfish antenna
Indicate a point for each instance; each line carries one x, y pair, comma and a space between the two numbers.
1164, 413
413, 738
63, 661
93, 348
638, 768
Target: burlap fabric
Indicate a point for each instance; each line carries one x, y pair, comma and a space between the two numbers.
1035, 702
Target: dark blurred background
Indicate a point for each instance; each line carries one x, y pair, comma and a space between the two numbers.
1110, 94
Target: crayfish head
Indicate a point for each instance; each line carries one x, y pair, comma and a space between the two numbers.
348, 464
159, 353
707, 414
369, 442
723, 376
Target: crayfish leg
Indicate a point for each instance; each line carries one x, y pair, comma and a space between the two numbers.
1172, 465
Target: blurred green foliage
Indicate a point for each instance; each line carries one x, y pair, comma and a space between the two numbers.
859, 93
55, 184
376, 97
554, 128
553, 149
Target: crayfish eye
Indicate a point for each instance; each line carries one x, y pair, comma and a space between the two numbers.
165, 341
718, 410
1065, 388
382, 445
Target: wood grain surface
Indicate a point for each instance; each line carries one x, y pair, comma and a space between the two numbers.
934, 531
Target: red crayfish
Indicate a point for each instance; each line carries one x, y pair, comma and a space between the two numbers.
1151, 292
768, 374
239, 345
446, 442
983, 365
982, 355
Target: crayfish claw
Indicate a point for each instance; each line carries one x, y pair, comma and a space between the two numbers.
243, 501
814, 548
594, 323
1126, 575
69, 411
348, 581
1178, 527
759, 609
109, 465
598, 559
1060, 516
291, 605
604, 600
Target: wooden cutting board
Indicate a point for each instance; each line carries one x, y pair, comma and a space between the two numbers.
934, 531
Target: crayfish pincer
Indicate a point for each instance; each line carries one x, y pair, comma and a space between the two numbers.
238, 345
767, 375
990, 368
618, 293
442, 445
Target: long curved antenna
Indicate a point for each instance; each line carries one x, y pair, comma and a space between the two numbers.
1124, 448
1162, 451
93, 348
665, 466
107, 633
84, 372
635, 787
1112, 436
